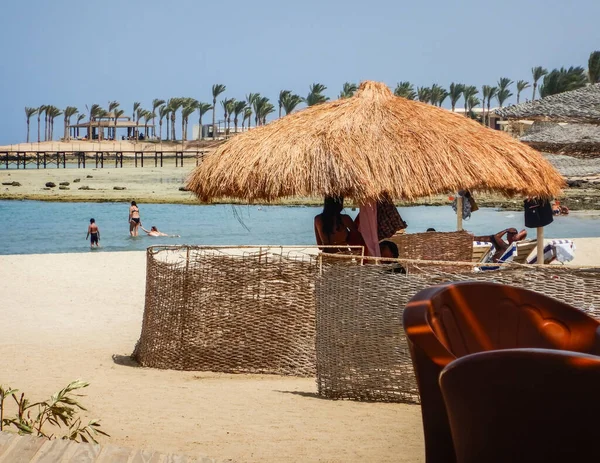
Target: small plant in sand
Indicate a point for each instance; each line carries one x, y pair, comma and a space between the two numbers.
43, 419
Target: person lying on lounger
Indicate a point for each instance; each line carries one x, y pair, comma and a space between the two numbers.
497, 240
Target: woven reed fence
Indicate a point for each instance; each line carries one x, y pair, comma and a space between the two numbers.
273, 310
454, 246
362, 351
237, 310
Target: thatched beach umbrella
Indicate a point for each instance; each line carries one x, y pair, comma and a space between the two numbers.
371, 143
578, 106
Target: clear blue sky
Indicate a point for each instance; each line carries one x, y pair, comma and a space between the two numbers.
66, 52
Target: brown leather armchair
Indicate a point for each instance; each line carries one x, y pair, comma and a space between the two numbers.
452, 320
523, 406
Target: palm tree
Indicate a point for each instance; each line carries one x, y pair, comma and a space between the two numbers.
282, 95
112, 106
203, 108
503, 92
190, 104
28, 113
290, 103
217, 89
594, 67
139, 114
163, 112
424, 94
485, 92
264, 110
136, 106
117, 113
228, 105
94, 110
101, 113
148, 115
471, 103
250, 99
537, 73
47, 110
174, 105
238, 108
69, 112
492, 94
406, 90
455, 93
156, 103
40, 110
247, 115
563, 80
438, 95
168, 117
521, 85
469, 91
186, 111
53, 114
315, 95
348, 90
79, 119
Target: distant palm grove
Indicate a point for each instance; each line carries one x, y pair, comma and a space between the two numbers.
255, 108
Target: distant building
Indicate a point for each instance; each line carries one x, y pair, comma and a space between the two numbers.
494, 119
98, 126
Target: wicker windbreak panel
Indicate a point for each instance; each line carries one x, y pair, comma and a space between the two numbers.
362, 352
229, 310
447, 246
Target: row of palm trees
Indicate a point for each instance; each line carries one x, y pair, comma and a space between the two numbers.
259, 107
253, 105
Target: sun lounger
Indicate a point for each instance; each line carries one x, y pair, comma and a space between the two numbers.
560, 250
517, 252
482, 251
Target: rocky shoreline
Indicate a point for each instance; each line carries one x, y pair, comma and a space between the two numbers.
166, 186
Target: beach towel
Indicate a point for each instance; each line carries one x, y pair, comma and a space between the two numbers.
368, 227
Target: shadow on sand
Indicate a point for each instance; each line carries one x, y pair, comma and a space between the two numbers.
125, 360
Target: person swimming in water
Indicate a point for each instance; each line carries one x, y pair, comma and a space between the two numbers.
94, 232
156, 232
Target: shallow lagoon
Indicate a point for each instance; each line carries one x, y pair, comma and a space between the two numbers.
37, 227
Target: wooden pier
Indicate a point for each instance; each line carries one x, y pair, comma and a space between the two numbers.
58, 159
26, 449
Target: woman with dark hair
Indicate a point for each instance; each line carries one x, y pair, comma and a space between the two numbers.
332, 228
134, 219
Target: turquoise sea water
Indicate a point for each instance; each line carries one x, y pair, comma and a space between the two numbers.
36, 227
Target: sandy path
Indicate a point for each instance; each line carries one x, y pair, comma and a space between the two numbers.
65, 316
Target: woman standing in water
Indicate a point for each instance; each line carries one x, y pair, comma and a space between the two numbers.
134, 219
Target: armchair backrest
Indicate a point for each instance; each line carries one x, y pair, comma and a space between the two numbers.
523, 405
451, 320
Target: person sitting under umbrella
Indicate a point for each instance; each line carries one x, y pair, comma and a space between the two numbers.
332, 228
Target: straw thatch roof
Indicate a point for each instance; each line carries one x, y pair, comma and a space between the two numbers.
578, 140
581, 105
371, 143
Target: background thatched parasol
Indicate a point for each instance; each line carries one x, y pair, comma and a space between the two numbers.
363, 146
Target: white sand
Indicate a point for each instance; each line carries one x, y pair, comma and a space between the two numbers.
64, 316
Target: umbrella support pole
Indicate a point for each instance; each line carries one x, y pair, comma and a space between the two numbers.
459, 209
540, 245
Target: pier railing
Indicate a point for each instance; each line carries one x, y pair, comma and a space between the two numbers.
58, 159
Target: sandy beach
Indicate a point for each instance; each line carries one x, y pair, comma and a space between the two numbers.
68, 316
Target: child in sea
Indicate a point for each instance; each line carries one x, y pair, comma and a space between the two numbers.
94, 232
